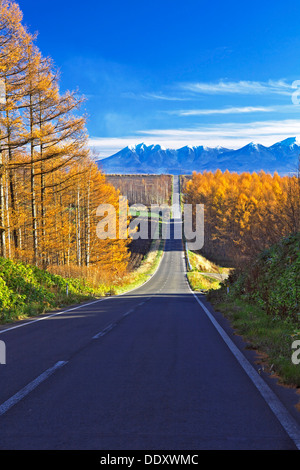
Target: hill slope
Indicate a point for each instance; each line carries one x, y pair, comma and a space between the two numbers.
273, 280
263, 307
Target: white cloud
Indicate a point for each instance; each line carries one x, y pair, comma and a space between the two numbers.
232, 110
158, 96
231, 135
238, 110
233, 130
247, 87
162, 97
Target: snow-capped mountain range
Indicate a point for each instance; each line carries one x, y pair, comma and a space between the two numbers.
154, 159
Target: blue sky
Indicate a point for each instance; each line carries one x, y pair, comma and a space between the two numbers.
175, 72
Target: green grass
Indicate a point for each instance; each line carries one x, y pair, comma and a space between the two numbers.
273, 279
200, 282
27, 291
270, 336
201, 264
263, 306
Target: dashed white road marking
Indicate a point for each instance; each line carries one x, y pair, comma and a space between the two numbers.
128, 313
105, 331
29, 388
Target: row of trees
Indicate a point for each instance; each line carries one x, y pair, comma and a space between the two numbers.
244, 213
49, 186
144, 189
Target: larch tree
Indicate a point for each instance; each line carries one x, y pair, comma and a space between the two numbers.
50, 187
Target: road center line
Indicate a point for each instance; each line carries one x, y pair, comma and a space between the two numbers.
62, 312
105, 331
29, 388
128, 313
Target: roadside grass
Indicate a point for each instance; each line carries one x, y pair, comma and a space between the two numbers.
271, 336
198, 280
27, 291
260, 304
263, 305
202, 264
141, 275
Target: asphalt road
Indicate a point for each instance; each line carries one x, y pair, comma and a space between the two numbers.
143, 371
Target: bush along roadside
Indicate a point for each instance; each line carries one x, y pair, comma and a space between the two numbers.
262, 304
27, 291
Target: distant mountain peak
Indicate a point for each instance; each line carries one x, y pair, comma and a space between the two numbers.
253, 146
290, 141
141, 146
155, 159
190, 147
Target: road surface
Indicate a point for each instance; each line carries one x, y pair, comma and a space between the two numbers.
148, 370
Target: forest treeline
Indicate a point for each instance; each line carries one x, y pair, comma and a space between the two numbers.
244, 213
144, 189
50, 187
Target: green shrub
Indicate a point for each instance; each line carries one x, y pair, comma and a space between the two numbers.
26, 290
273, 280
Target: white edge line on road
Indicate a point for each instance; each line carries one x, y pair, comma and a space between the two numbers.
52, 315
29, 388
286, 420
62, 312
289, 424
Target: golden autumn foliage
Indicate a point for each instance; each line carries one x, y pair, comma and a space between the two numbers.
244, 213
50, 187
